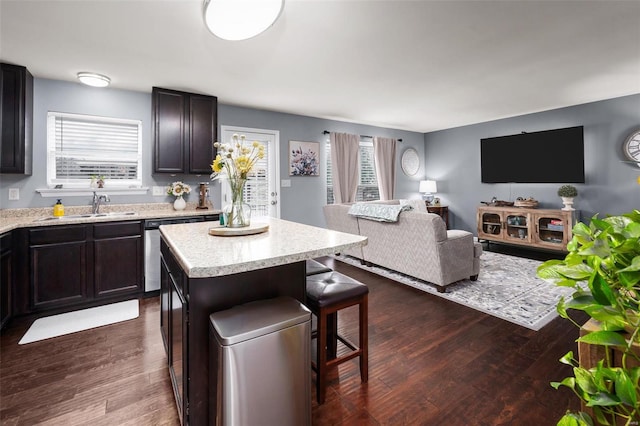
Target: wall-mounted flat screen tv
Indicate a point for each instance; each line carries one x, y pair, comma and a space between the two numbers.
550, 156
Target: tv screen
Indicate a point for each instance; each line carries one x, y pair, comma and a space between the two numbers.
550, 156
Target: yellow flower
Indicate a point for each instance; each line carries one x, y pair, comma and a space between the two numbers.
218, 164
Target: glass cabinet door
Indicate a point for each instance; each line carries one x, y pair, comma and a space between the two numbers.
491, 223
551, 230
517, 226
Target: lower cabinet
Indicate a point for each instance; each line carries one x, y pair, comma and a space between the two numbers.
7, 277
72, 265
117, 254
58, 266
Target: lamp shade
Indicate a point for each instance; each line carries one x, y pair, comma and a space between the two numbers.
428, 186
240, 19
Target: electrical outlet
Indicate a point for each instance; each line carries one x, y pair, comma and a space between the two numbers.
285, 183
14, 194
159, 191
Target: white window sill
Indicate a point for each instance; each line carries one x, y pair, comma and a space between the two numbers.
82, 192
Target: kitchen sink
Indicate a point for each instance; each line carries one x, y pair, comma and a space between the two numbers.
86, 216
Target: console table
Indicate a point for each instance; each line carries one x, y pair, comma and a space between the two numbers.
442, 211
543, 228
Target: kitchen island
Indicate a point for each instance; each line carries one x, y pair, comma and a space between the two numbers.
202, 274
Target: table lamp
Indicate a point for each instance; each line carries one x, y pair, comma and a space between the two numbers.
428, 188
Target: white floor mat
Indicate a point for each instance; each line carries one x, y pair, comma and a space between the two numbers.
71, 322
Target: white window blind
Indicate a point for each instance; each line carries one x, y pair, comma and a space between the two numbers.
368, 182
256, 192
82, 146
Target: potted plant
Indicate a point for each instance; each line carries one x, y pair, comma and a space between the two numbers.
567, 192
603, 267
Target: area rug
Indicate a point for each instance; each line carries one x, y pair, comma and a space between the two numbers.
71, 322
507, 288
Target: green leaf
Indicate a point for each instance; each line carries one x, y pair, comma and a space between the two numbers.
569, 382
599, 248
603, 399
581, 230
578, 271
575, 419
625, 389
601, 290
568, 358
635, 265
584, 379
604, 338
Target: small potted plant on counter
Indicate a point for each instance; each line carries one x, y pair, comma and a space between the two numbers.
567, 192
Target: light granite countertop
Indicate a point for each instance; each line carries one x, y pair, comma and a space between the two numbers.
202, 255
11, 219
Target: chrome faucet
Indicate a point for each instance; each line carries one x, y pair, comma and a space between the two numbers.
97, 200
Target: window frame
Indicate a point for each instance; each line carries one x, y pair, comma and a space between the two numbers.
362, 188
54, 181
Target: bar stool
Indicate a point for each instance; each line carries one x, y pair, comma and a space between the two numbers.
327, 293
315, 267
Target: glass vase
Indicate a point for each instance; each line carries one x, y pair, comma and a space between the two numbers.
238, 213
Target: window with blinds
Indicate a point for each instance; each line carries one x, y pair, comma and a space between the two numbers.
256, 190
368, 182
82, 146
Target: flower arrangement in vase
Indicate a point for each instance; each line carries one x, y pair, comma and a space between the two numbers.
178, 189
236, 161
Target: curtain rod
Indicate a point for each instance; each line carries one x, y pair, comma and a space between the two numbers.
326, 132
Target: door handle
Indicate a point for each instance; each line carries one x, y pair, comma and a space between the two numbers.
274, 202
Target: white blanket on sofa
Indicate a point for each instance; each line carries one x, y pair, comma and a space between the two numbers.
378, 212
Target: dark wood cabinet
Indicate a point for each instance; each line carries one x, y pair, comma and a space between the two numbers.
58, 258
185, 126
73, 266
7, 277
16, 119
117, 258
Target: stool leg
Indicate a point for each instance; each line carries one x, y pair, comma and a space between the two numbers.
364, 340
321, 366
332, 335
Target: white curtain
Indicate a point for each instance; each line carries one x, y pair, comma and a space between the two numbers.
344, 164
384, 155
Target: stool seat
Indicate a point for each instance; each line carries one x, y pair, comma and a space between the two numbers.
333, 287
315, 267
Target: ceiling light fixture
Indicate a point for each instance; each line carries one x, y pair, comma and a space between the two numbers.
93, 79
240, 19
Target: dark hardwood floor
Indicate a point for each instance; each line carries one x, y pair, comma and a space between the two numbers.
432, 362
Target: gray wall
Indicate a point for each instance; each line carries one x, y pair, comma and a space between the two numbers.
302, 202
452, 157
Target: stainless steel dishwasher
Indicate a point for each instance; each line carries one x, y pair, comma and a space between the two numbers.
152, 248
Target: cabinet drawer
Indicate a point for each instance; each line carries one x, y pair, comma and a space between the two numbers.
57, 234
117, 229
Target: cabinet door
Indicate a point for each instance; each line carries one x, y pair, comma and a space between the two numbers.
552, 231
6, 278
165, 306
169, 131
203, 112
489, 225
16, 112
118, 258
178, 365
517, 227
58, 274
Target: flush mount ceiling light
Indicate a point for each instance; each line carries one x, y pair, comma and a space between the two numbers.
93, 79
240, 19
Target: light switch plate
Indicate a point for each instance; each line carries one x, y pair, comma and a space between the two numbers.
285, 183
14, 194
158, 191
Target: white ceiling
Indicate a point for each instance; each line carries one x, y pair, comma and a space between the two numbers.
414, 65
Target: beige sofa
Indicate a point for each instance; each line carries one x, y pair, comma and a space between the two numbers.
418, 244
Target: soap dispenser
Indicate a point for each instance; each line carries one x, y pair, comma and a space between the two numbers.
58, 209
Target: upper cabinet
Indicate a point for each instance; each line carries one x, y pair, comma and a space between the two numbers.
185, 126
16, 119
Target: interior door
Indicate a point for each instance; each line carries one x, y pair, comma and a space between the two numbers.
262, 191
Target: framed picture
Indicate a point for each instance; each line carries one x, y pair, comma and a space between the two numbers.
304, 158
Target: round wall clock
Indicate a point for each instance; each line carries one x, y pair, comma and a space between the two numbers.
410, 162
631, 147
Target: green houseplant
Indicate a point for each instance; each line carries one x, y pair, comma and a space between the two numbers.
603, 268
